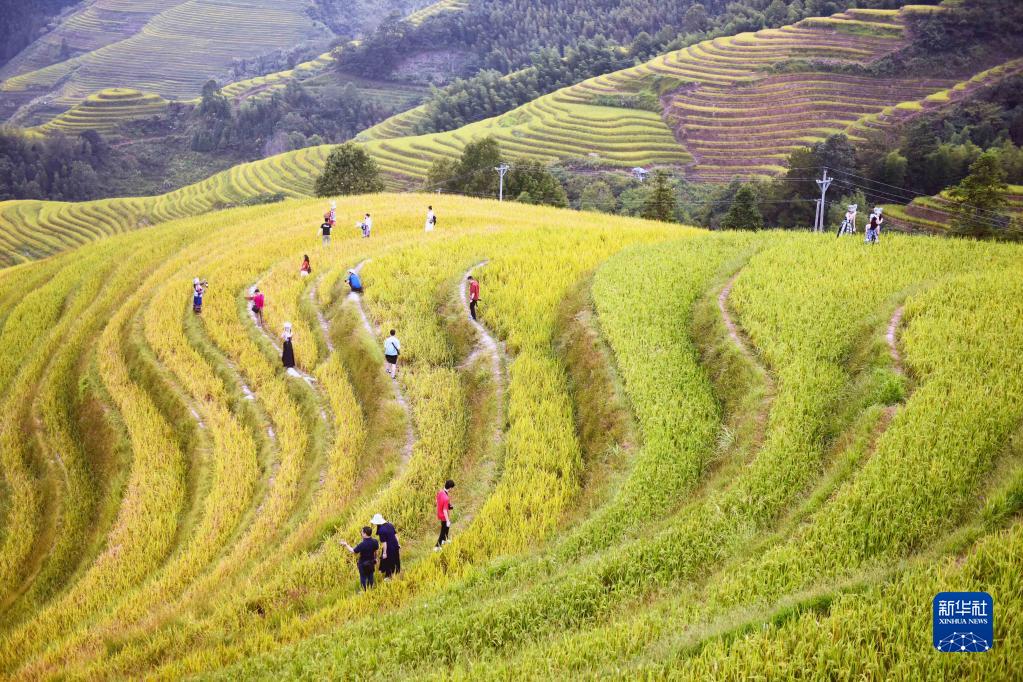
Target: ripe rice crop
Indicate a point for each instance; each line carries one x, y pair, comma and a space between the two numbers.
825, 436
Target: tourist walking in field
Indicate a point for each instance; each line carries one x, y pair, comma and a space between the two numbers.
474, 296
444, 508
325, 231
874, 227
257, 305
390, 550
354, 282
366, 225
431, 219
288, 350
198, 291
367, 556
307, 267
392, 349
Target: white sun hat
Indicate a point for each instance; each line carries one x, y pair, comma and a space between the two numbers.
378, 519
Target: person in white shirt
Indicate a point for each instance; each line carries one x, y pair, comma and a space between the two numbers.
392, 349
366, 225
431, 219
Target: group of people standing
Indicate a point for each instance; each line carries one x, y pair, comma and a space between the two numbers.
873, 227
386, 542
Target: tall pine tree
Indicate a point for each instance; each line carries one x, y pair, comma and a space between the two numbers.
661, 204
743, 213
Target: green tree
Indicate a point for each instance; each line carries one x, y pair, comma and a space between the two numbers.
532, 183
597, 196
476, 169
349, 170
661, 204
213, 104
979, 198
696, 18
743, 213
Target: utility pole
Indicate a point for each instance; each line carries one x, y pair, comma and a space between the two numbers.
823, 183
502, 169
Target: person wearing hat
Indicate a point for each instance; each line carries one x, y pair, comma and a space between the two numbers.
198, 289
367, 560
444, 508
288, 352
354, 282
390, 550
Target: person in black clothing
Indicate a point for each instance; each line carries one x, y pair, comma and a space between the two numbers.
325, 228
390, 550
367, 561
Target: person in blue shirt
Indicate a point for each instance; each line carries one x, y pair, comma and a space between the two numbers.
392, 349
354, 282
367, 556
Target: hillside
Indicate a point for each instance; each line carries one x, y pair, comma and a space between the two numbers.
586, 123
766, 469
934, 215
169, 48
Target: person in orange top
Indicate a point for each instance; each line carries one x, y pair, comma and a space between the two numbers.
307, 268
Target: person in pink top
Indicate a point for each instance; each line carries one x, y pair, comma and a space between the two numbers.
444, 513
257, 305
474, 295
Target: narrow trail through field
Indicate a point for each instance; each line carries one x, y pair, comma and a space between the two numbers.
736, 334
295, 371
399, 395
498, 362
324, 324
891, 338
738, 337
486, 344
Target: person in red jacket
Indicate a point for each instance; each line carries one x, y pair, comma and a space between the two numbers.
444, 513
474, 296
257, 305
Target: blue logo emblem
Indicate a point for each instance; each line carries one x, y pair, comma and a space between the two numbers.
963, 621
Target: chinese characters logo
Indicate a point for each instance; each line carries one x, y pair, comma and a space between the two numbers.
963, 621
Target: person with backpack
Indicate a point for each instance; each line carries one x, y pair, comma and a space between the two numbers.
354, 282
431, 219
198, 291
307, 267
444, 508
367, 556
257, 305
474, 296
390, 550
392, 349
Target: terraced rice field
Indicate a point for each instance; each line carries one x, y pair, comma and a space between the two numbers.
436, 8
94, 25
934, 215
105, 111
737, 119
177, 50
727, 114
767, 469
